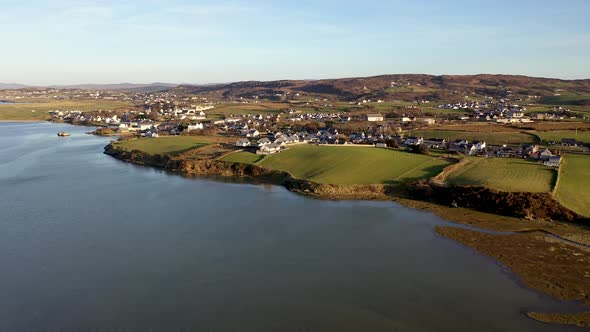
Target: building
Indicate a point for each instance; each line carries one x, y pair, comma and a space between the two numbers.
554, 161
243, 143
375, 117
196, 126
269, 149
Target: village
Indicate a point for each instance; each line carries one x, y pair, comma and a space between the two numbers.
267, 134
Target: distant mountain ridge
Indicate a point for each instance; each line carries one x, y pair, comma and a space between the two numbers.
117, 86
407, 87
402, 87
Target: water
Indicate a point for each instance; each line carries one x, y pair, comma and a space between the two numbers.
87, 241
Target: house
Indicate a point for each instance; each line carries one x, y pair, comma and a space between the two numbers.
554, 161
435, 143
263, 141
145, 126
569, 142
196, 126
412, 140
151, 134
545, 155
269, 149
252, 133
243, 142
429, 121
514, 114
374, 117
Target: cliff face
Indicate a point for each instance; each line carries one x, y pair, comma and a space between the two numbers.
522, 205
515, 204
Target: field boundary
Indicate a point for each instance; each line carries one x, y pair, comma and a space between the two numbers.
558, 179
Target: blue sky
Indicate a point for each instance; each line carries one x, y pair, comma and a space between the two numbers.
67, 41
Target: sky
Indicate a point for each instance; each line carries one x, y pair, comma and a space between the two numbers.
94, 41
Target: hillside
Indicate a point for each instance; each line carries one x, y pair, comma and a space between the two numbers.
410, 87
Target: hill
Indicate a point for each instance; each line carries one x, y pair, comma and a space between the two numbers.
406, 87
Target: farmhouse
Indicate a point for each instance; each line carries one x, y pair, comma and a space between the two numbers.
374, 117
554, 161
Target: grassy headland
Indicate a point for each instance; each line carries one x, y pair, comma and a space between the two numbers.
354, 165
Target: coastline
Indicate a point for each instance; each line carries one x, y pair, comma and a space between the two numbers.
543, 231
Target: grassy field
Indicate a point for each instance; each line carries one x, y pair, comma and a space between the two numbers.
558, 135
226, 110
354, 165
38, 110
172, 145
495, 138
574, 181
505, 174
567, 99
242, 157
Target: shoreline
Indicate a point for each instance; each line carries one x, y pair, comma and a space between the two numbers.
559, 238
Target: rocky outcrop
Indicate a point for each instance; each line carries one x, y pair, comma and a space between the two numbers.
532, 206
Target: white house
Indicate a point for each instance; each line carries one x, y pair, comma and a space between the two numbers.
196, 126
263, 142
269, 149
252, 133
243, 142
374, 117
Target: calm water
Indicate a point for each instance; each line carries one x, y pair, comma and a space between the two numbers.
87, 241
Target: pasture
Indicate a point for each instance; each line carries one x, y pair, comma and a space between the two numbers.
558, 135
574, 180
172, 145
38, 110
505, 174
495, 138
354, 165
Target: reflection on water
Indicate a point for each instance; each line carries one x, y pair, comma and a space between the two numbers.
87, 241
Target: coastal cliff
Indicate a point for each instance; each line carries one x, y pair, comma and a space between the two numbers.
531, 206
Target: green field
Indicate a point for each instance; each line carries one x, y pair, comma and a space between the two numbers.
567, 99
242, 157
24, 111
354, 165
495, 138
558, 135
574, 181
172, 145
505, 174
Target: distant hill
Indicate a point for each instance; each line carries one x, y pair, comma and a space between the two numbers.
151, 87
4, 86
407, 87
119, 86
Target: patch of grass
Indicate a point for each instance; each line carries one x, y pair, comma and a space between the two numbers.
172, 145
24, 111
567, 99
574, 181
494, 138
354, 165
243, 157
558, 135
505, 174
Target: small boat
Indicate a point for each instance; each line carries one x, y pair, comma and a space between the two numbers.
63, 134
